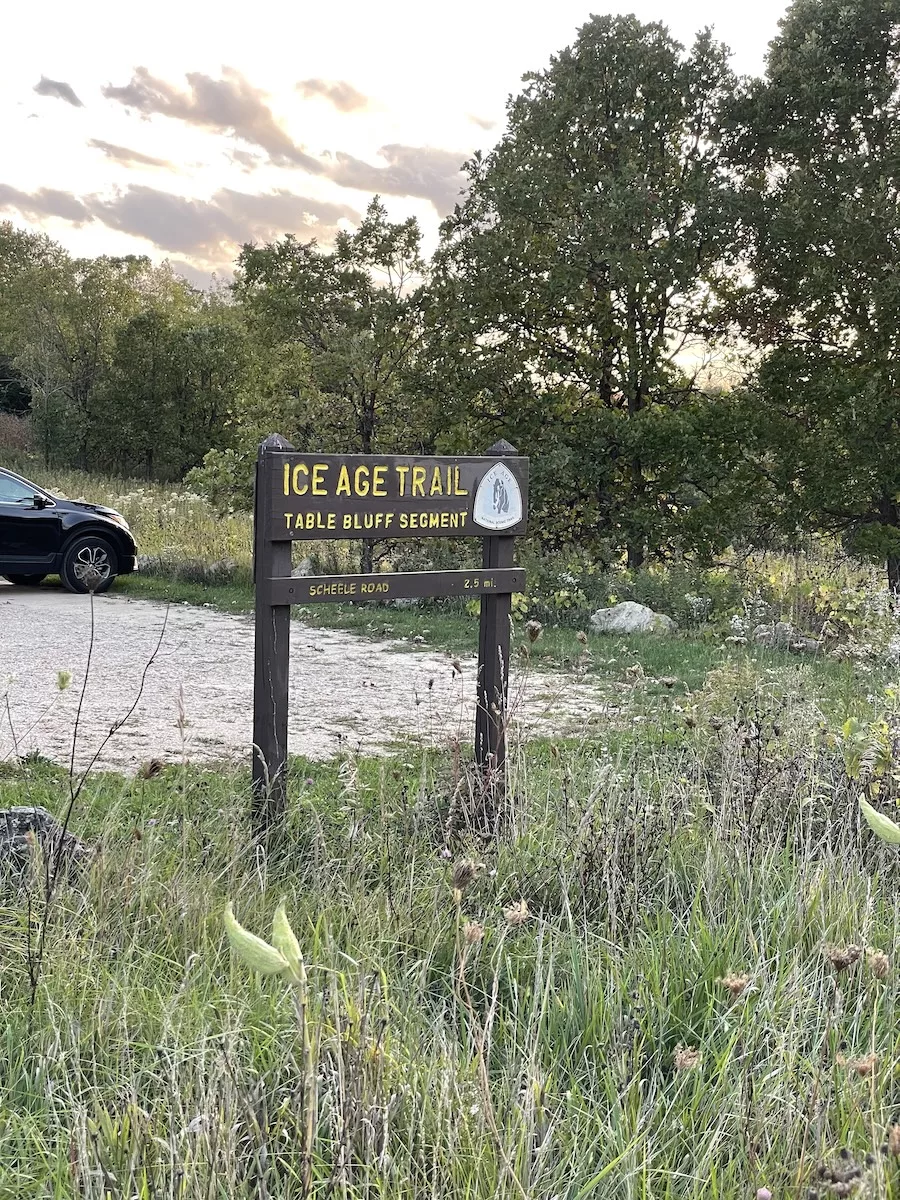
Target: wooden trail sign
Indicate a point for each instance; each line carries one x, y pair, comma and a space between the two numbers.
356, 496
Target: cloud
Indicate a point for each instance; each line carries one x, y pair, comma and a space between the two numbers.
203, 280
422, 171
46, 202
122, 154
338, 92
227, 105
244, 159
59, 90
213, 229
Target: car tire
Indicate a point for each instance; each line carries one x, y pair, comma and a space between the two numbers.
25, 580
88, 565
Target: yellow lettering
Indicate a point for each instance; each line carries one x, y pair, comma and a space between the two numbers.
403, 472
348, 520
404, 520
332, 519
445, 520
437, 484
317, 479
287, 517
388, 517
287, 478
434, 520
378, 474
361, 481
418, 481
298, 490
457, 490
343, 483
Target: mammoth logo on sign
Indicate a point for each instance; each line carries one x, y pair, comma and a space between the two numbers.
498, 501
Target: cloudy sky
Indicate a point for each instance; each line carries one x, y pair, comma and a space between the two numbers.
182, 128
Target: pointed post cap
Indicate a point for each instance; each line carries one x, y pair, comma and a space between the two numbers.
501, 449
274, 442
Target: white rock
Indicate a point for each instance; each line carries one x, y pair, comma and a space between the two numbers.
629, 617
304, 567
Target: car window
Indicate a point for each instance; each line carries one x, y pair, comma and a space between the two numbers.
13, 491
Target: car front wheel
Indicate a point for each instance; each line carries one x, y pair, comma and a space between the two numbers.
25, 580
89, 565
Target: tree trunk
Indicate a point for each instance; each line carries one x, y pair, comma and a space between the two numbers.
635, 551
893, 574
367, 557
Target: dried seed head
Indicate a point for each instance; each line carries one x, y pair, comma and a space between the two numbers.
668, 681
151, 769
893, 1142
473, 932
864, 1066
582, 637
687, 1058
879, 963
465, 871
517, 914
533, 630
843, 957
736, 984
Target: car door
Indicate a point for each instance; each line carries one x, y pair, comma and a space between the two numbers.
29, 535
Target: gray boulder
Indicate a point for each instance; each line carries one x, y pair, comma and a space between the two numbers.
22, 827
780, 635
629, 617
303, 568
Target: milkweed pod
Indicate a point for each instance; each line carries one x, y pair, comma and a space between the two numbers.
285, 942
886, 829
257, 954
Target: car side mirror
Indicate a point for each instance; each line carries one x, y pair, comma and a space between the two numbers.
40, 501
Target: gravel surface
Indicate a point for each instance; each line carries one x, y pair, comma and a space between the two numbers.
346, 692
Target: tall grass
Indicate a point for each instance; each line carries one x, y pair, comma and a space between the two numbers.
666, 1021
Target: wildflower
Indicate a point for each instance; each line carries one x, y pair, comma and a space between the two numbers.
517, 914
879, 963
687, 1058
736, 984
534, 629
473, 932
842, 957
763, 1194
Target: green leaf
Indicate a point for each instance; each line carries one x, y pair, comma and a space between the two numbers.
886, 829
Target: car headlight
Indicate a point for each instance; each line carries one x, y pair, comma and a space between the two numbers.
119, 520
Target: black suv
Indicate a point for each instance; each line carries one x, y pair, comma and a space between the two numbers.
87, 545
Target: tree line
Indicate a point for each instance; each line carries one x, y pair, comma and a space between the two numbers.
674, 288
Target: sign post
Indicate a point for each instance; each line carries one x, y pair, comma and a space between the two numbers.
310, 497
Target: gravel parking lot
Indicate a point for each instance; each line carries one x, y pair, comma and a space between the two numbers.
346, 691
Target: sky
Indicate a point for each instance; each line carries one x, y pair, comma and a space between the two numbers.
182, 128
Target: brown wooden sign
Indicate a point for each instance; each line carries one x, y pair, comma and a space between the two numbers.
301, 496
364, 496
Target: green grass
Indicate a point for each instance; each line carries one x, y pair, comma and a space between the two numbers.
455, 1054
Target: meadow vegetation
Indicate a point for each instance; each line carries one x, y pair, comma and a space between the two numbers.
662, 968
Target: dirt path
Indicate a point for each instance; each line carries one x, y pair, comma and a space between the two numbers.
346, 691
